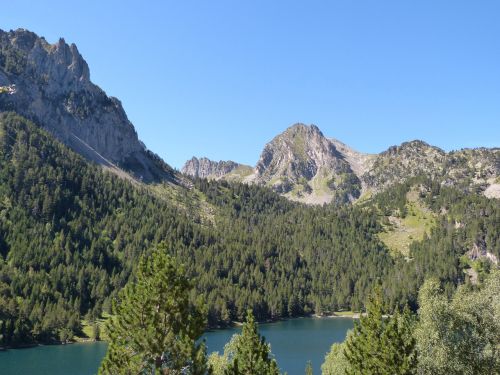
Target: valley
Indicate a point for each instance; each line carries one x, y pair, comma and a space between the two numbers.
88, 213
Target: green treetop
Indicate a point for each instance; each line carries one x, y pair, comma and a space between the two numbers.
252, 356
155, 326
379, 345
460, 335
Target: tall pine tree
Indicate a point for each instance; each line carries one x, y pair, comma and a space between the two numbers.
399, 354
379, 345
252, 355
155, 326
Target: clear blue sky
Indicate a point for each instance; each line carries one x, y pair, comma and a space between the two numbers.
221, 78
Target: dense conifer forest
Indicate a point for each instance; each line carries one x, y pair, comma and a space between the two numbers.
71, 235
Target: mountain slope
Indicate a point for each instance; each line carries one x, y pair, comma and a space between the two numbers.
473, 170
53, 89
359, 162
71, 234
398, 163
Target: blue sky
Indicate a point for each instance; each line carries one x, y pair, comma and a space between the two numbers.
222, 78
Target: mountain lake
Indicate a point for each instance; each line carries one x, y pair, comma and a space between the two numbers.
293, 342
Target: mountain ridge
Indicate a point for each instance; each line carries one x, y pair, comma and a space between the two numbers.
304, 165
53, 89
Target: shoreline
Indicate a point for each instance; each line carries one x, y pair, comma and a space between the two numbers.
349, 315
56, 343
233, 324
335, 315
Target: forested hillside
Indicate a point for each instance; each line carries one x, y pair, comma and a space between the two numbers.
465, 238
71, 234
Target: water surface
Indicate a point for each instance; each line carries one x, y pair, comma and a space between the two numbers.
293, 342
74, 359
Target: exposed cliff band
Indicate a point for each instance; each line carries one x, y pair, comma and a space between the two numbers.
53, 88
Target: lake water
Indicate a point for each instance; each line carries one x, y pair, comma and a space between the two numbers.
74, 359
293, 342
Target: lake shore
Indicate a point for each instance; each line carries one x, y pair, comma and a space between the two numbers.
76, 340
341, 314
233, 324
336, 314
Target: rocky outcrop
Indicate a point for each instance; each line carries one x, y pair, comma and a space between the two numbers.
470, 169
399, 163
359, 162
53, 89
479, 167
206, 168
480, 251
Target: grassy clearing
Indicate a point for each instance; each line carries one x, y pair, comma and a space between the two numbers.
320, 182
87, 329
365, 197
401, 232
188, 200
299, 146
346, 314
239, 173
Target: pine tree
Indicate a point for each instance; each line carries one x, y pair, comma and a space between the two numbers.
155, 326
252, 355
398, 344
381, 345
363, 348
96, 332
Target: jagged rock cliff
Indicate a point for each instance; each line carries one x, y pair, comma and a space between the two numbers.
53, 88
205, 168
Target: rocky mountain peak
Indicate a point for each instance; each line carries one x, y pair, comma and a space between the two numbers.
302, 163
53, 89
297, 152
300, 128
397, 163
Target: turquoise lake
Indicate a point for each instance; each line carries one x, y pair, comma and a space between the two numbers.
293, 343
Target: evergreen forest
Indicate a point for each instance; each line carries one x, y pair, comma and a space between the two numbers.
72, 234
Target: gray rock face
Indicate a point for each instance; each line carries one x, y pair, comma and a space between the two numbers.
53, 89
297, 152
206, 168
305, 165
